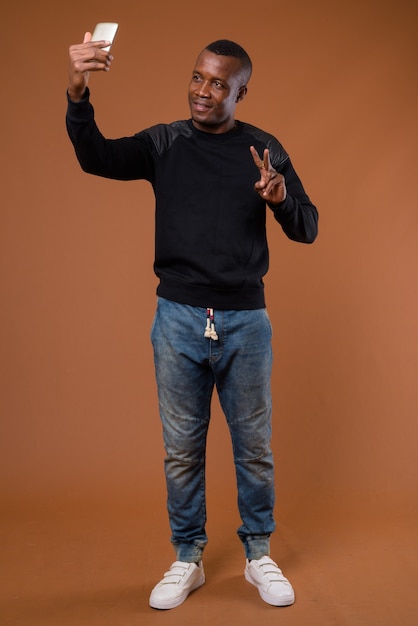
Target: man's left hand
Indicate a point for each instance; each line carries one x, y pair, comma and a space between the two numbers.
271, 186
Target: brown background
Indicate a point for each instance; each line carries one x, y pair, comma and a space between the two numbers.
336, 83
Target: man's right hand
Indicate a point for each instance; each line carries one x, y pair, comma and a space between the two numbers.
86, 57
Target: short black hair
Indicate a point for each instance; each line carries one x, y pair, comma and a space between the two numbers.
227, 48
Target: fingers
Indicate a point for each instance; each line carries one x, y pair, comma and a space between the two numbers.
266, 160
257, 160
86, 57
90, 56
271, 185
263, 165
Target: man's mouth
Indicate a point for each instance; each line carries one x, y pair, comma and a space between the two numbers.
201, 106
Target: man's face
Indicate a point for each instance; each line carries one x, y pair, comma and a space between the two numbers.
214, 91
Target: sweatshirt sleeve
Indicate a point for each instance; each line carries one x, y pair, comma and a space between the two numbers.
297, 215
127, 158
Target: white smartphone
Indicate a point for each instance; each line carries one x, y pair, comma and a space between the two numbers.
105, 31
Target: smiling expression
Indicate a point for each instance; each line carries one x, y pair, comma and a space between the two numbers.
215, 89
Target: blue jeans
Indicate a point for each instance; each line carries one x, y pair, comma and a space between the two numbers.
188, 365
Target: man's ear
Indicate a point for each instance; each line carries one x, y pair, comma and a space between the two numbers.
242, 92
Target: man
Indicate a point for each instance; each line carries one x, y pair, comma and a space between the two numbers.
213, 177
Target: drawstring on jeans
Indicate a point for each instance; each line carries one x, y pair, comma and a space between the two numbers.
210, 332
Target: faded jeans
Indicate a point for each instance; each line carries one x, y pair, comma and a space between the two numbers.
187, 366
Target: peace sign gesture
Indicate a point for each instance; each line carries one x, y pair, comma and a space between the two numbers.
271, 186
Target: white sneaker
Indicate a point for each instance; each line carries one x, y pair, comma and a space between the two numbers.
272, 586
177, 583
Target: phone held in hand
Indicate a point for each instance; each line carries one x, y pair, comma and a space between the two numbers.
105, 31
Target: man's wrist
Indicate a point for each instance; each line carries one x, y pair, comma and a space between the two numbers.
76, 95
277, 205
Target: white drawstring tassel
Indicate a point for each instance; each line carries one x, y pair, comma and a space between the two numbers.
210, 332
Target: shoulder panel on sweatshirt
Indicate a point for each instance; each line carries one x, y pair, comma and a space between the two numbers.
163, 135
278, 155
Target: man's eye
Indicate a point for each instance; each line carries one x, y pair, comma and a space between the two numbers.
218, 84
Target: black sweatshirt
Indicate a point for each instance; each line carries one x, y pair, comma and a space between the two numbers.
210, 238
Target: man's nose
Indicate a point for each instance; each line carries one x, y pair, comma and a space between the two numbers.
203, 89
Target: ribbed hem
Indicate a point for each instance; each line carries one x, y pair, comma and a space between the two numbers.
224, 299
